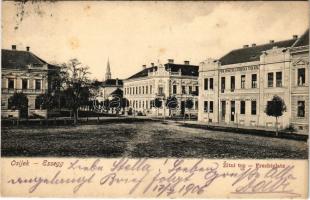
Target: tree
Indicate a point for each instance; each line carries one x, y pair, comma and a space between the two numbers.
124, 103
75, 81
106, 105
275, 108
171, 103
19, 101
46, 101
189, 105
157, 103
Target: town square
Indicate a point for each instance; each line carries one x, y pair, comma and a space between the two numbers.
155, 84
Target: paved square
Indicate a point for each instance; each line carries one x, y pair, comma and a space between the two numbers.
144, 139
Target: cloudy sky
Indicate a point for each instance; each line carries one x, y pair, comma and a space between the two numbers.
131, 34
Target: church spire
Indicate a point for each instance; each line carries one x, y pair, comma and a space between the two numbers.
108, 71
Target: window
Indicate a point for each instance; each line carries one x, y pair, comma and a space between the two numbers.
205, 108
38, 84
242, 107
211, 107
242, 81
190, 89
150, 89
139, 90
174, 89
197, 89
301, 78
196, 105
301, 109
206, 84
11, 83
136, 90
183, 89
146, 89
24, 84
254, 80
211, 83
270, 79
142, 89
160, 90
222, 84
278, 79
146, 104
232, 83
253, 107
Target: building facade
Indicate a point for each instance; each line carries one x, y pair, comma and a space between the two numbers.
24, 72
236, 88
163, 82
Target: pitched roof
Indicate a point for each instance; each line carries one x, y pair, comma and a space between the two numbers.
112, 82
303, 40
117, 92
14, 59
186, 70
250, 54
143, 73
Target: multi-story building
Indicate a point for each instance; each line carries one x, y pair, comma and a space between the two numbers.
235, 89
24, 72
163, 82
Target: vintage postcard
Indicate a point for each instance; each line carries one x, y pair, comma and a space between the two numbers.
155, 99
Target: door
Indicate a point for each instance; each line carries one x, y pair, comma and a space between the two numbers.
223, 106
232, 111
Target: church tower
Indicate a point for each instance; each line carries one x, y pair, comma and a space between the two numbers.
108, 71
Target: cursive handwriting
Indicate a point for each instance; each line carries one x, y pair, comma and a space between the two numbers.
171, 177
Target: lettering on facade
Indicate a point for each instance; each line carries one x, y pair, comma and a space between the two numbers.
238, 99
238, 69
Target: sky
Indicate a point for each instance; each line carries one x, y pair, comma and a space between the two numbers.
131, 34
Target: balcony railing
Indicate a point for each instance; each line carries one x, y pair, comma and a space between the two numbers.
26, 91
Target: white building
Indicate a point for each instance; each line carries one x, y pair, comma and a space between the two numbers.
162, 82
235, 89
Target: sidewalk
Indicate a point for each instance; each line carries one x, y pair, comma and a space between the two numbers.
259, 131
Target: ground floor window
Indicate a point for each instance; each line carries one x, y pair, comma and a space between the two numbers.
211, 107
242, 107
205, 108
253, 107
196, 105
301, 109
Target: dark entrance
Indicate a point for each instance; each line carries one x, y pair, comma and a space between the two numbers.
232, 111
223, 106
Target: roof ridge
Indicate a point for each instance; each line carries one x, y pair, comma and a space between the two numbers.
300, 38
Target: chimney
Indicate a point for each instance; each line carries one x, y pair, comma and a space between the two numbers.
144, 66
186, 62
271, 41
27, 48
170, 61
13, 47
245, 46
152, 64
253, 45
295, 37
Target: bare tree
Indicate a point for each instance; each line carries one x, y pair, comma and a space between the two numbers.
75, 82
